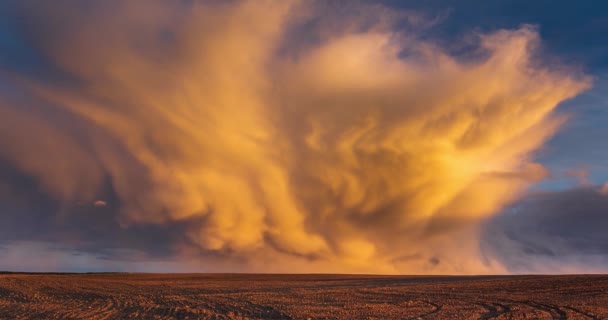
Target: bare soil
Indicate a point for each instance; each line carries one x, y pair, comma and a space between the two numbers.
250, 296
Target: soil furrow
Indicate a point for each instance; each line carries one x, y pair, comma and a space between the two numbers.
150, 296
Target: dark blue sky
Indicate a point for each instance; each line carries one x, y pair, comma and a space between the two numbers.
576, 30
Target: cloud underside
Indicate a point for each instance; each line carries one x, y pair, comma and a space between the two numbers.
552, 232
278, 136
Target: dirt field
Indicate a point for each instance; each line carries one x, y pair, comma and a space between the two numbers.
226, 296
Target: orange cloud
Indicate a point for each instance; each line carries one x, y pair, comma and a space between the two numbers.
369, 150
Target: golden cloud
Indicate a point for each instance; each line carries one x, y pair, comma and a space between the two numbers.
356, 150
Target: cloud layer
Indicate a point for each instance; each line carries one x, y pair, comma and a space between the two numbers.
276, 137
552, 232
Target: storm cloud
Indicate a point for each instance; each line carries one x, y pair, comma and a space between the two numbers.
272, 135
553, 231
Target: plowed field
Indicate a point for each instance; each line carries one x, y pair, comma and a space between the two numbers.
248, 296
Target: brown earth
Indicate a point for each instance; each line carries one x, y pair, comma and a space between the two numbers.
248, 296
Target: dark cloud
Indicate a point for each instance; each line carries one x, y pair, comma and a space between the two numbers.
558, 231
30, 214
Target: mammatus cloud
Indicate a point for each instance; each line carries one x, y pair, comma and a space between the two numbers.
283, 141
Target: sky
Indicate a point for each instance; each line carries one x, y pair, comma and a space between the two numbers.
393, 137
